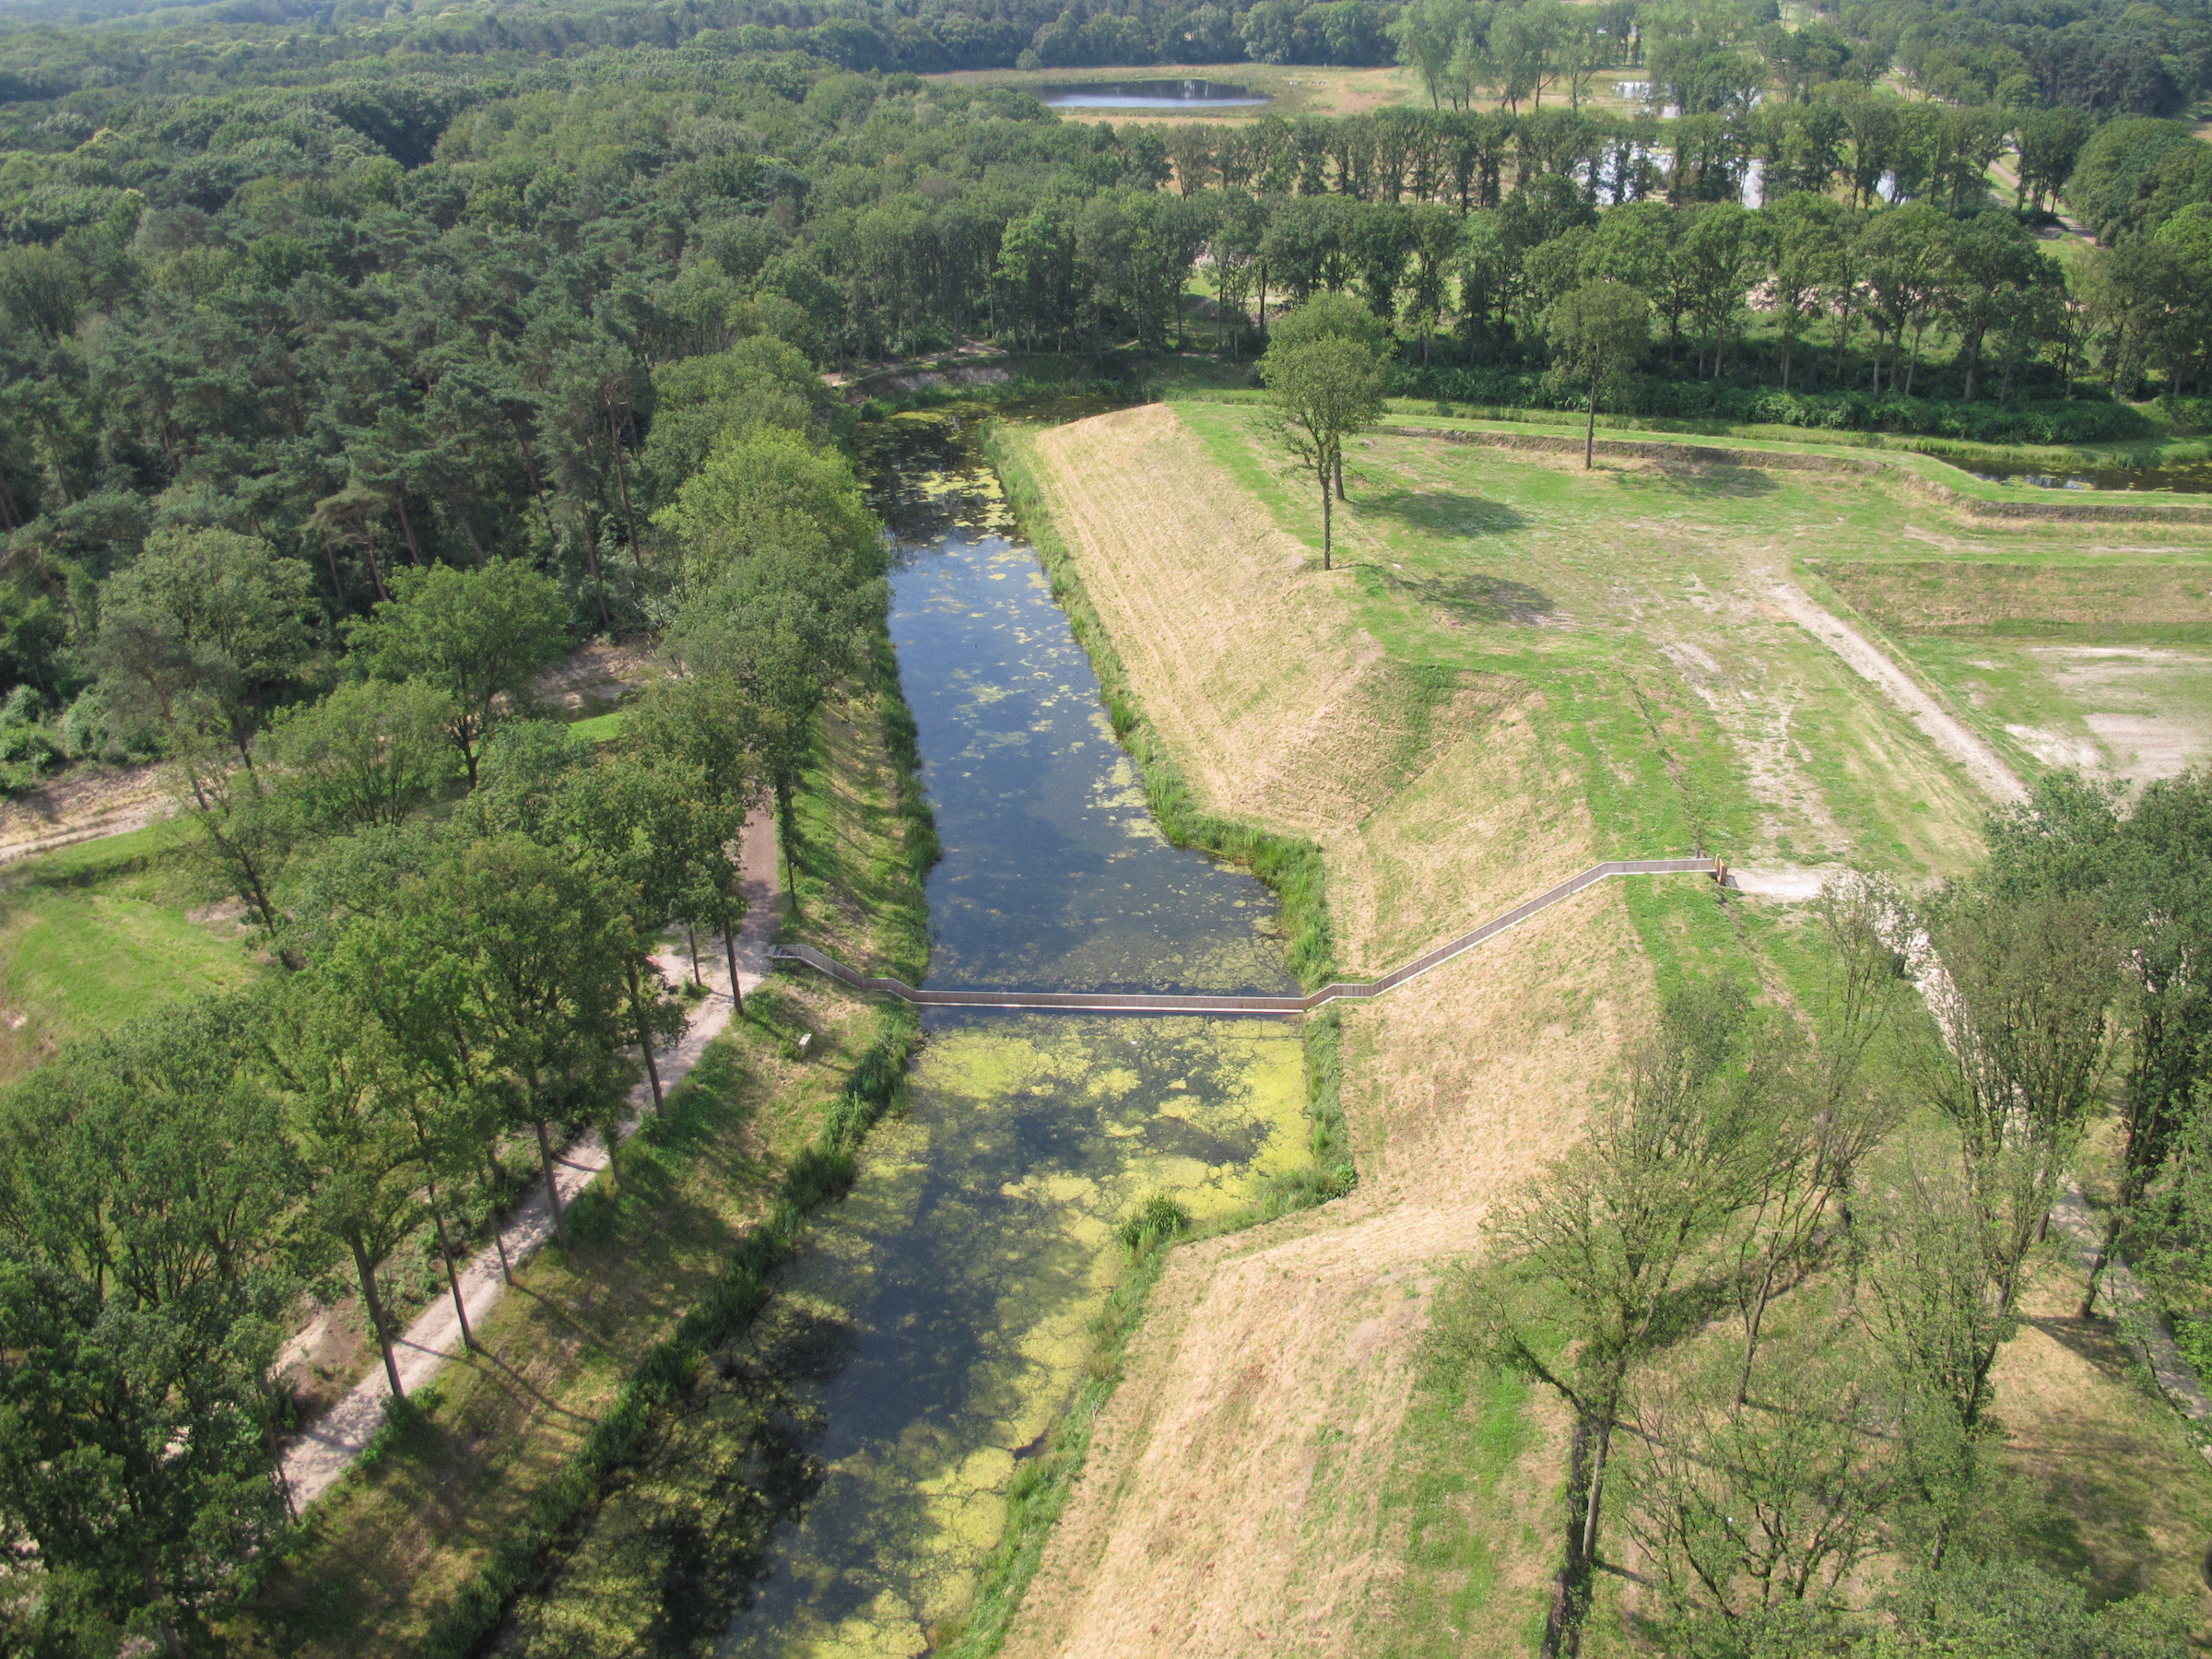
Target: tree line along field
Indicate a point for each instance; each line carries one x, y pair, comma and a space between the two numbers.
1508, 639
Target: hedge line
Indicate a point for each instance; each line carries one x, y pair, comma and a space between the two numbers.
2080, 420
1291, 867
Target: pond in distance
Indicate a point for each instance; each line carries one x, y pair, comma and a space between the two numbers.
1149, 95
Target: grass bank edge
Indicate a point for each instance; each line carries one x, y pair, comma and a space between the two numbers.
1292, 867
821, 1173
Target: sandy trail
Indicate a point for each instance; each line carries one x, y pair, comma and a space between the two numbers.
329, 1446
83, 806
1944, 729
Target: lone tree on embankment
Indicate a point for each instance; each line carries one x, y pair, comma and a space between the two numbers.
1598, 333
1324, 383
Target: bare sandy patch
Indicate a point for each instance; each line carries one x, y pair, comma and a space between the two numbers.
83, 803
593, 678
2144, 747
2148, 705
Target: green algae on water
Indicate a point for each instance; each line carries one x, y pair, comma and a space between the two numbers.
988, 1229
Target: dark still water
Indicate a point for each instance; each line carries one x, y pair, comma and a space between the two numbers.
838, 1479
2191, 478
1149, 95
1055, 875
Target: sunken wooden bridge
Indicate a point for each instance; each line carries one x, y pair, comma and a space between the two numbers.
1140, 1002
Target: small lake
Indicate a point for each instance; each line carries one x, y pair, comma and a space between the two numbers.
1149, 95
2190, 478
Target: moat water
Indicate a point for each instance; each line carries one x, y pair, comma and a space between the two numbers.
937, 1324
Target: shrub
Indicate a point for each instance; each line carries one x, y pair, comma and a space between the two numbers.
1153, 1223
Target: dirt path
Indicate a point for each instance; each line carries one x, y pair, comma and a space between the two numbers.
1944, 729
83, 805
2144, 1325
329, 1446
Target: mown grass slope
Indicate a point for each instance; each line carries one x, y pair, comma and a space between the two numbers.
1518, 668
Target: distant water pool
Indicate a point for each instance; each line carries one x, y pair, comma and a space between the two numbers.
2190, 478
1150, 95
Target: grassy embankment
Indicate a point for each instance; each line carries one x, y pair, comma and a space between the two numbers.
420, 1551
99, 933
1520, 668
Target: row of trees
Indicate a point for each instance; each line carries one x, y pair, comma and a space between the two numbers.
1865, 142
1773, 1287
465, 905
2102, 56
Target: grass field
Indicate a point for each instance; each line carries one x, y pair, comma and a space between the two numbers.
1634, 599
2087, 654
100, 933
1518, 666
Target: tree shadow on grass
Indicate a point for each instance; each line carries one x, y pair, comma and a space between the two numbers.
2088, 1516
1441, 512
1474, 597
1699, 478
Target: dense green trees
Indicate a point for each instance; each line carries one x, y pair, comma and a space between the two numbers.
476, 637
149, 1255
463, 904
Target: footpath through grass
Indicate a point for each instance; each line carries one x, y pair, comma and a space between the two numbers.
477, 1493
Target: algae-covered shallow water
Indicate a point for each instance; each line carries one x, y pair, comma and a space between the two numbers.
965, 1269
981, 1240
835, 1486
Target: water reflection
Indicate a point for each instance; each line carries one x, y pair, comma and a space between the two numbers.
1055, 875
2189, 477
